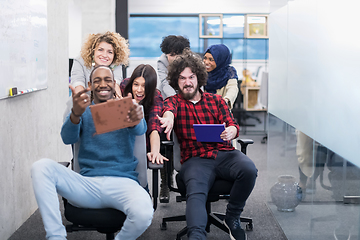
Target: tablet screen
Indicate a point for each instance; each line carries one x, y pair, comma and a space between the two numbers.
208, 132
112, 115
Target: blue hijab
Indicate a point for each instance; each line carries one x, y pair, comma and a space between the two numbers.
219, 77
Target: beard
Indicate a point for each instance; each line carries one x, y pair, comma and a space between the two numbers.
189, 96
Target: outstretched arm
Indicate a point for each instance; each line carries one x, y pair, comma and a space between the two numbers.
154, 155
167, 122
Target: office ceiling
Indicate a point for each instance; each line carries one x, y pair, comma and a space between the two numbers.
203, 6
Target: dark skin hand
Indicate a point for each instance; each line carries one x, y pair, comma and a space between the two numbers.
135, 113
80, 102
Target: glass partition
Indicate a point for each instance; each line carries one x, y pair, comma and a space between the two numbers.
323, 200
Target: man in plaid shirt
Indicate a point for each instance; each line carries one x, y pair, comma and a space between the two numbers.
203, 162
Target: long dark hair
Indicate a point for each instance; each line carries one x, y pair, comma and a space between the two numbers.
149, 74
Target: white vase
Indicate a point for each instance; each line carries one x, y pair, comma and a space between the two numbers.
286, 193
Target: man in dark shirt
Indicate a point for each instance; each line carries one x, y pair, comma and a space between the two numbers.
203, 162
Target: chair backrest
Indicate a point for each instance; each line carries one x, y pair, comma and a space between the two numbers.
176, 153
140, 154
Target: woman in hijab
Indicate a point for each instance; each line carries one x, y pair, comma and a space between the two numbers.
222, 78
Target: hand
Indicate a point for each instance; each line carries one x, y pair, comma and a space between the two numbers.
229, 133
117, 96
156, 157
135, 113
118, 92
167, 123
81, 101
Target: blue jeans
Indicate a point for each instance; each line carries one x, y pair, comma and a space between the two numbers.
50, 178
199, 175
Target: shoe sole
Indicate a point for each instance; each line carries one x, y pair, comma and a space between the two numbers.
231, 236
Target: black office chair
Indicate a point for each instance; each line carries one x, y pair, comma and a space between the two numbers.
239, 112
220, 190
109, 220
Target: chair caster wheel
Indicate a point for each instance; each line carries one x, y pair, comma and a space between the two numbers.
163, 226
249, 227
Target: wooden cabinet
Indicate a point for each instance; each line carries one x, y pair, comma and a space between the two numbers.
251, 98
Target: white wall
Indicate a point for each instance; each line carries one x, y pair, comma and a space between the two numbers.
30, 127
314, 82
75, 26
88, 17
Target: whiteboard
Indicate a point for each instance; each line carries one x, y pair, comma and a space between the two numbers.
23, 45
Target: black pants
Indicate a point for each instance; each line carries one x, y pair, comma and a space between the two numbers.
199, 175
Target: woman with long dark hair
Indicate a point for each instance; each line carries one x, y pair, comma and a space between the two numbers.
142, 86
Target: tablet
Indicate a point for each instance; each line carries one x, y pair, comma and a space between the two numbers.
112, 115
208, 132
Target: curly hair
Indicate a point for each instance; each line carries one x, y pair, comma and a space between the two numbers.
120, 45
187, 59
174, 44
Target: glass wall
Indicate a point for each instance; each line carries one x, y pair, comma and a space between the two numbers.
146, 33
151, 29
313, 131
325, 202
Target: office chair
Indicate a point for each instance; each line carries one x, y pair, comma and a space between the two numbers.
220, 190
108, 220
239, 112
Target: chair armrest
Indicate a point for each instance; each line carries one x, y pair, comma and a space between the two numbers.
155, 165
155, 181
244, 143
167, 143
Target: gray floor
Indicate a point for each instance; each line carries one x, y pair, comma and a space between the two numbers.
265, 225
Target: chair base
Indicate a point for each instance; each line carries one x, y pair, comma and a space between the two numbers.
213, 218
76, 228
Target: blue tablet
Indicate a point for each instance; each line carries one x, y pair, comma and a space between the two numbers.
208, 132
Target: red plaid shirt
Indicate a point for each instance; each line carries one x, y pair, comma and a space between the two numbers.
152, 121
211, 109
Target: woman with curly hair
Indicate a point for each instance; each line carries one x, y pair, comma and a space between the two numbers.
108, 49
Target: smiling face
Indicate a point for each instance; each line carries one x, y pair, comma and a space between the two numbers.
188, 85
138, 89
102, 84
103, 54
209, 62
